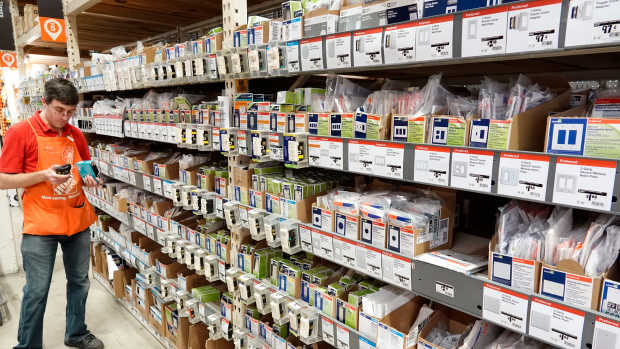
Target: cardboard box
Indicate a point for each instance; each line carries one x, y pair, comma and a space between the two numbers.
320, 22
401, 11
260, 33
170, 270
143, 298
448, 130
350, 18
526, 275
198, 335
166, 171
183, 333
455, 322
610, 295
393, 329
525, 131
146, 166
372, 126
122, 278
374, 14
568, 283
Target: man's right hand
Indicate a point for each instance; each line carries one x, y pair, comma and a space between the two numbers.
55, 178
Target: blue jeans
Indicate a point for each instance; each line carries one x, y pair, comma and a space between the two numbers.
39, 254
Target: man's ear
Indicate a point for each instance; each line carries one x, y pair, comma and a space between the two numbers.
43, 101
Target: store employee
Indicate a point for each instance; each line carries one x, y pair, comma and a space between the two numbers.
55, 212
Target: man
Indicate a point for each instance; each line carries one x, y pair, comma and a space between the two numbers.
55, 212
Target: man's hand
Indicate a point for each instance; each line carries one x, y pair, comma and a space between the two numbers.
53, 177
90, 182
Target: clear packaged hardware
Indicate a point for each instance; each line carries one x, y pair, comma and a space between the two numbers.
255, 221
289, 236
246, 288
232, 279
214, 325
262, 297
279, 301
271, 225
211, 268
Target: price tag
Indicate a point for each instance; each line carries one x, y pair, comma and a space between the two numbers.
533, 26
342, 337
132, 177
146, 181
345, 251
399, 43
484, 32
556, 323
432, 165
326, 152
327, 245
305, 236
397, 269
367, 47
584, 182
472, 169
370, 261
327, 326
505, 307
523, 176
606, 333
444, 289
389, 159
338, 51
361, 156
157, 186
312, 54
434, 39
292, 57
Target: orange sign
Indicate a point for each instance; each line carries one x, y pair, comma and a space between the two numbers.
53, 29
8, 59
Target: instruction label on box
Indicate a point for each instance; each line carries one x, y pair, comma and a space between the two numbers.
432, 165
305, 236
584, 182
523, 175
338, 51
292, 57
534, 26
472, 169
326, 152
157, 186
514, 272
434, 38
484, 32
556, 323
606, 333
570, 288
505, 307
592, 22
312, 54
367, 47
399, 43
397, 269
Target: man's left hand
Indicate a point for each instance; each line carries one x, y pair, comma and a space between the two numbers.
91, 182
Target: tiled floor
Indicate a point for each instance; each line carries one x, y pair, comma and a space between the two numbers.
105, 317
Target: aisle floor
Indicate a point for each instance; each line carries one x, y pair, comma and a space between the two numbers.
105, 317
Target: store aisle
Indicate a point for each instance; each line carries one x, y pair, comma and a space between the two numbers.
105, 317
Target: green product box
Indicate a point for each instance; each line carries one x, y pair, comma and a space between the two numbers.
274, 273
351, 313
262, 259
499, 134
335, 289
221, 173
372, 285
280, 330
324, 127
293, 278
268, 170
286, 97
328, 302
206, 294
287, 108
457, 130
252, 312
346, 126
170, 309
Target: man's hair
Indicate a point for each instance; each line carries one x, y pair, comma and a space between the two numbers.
61, 90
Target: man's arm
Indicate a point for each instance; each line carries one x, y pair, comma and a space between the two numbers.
23, 180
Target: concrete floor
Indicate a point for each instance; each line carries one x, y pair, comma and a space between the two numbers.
105, 317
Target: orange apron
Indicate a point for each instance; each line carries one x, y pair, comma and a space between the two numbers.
56, 209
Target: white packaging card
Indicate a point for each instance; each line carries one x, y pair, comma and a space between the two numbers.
312, 54
606, 333
471, 169
484, 32
431, 165
555, 323
505, 307
273, 58
345, 251
292, 57
200, 67
342, 337
367, 47
338, 51
397, 269
584, 183
328, 330
369, 259
592, 22
316, 243
434, 38
326, 152
533, 26
305, 236
523, 176
157, 186
221, 65
399, 43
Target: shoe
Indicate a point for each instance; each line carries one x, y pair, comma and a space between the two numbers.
88, 342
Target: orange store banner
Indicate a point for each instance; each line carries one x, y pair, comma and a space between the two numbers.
53, 29
8, 59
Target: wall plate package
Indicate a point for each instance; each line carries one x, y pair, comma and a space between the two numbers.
181, 298
192, 310
448, 130
240, 338
170, 244
211, 268
232, 279
289, 236
190, 255
214, 324
404, 229
276, 59
271, 225
199, 261
179, 250
309, 331
260, 145
279, 311
276, 147
296, 151
255, 221
231, 214
407, 128
246, 288
207, 203
294, 310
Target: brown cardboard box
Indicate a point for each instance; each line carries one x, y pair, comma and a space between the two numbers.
242, 176
455, 321
121, 204
198, 335
190, 175
589, 288
156, 255
219, 344
121, 279
191, 281
148, 245
526, 131
145, 304
146, 166
160, 207
168, 171
171, 270
400, 321
159, 321
531, 286
183, 333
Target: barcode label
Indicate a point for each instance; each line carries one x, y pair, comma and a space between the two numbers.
541, 321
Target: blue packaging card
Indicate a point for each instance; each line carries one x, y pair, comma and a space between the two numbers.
567, 136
